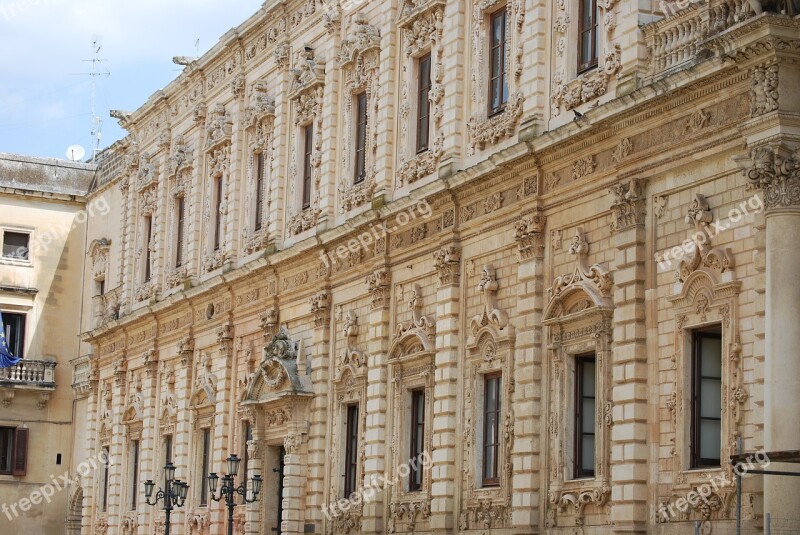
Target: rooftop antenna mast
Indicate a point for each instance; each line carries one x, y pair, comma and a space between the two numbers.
97, 71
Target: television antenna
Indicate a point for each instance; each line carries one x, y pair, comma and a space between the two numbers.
97, 71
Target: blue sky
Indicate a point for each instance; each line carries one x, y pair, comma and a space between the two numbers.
44, 107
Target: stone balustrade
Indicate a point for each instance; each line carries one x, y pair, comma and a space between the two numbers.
37, 374
679, 38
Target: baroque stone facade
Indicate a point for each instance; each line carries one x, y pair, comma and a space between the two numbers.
257, 293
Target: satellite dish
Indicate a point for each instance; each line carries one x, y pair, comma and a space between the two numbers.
75, 153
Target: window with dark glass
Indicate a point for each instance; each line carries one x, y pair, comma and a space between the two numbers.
148, 254
587, 35
585, 402
351, 450
134, 482
361, 137
498, 83
417, 439
15, 245
706, 439
259, 222
248, 436
100, 287
308, 151
205, 461
217, 213
6, 450
423, 103
181, 215
167, 449
104, 490
491, 429
14, 330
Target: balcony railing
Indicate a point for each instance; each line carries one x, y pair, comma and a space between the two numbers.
34, 374
81, 375
678, 38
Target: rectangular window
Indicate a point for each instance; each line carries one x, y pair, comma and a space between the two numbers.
181, 209
259, 222
217, 213
15, 245
248, 436
351, 451
361, 137
423, 103
498, 83
168, 450
100, 287
585, 403
308, 151
134, 482
587, 35
491, 429
104, 490
706, 441
417, 439
14, 330
148, 254
205, 461
7, 450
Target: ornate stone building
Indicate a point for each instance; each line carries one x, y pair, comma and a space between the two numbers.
550, 245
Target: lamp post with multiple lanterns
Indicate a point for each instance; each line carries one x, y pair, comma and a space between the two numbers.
229, 490
173, 494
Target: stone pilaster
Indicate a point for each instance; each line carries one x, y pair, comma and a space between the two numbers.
378, 284
255, 455
629, 451
529, 233
294, 484
446, 440
774, 173
149, 445
318, 424
183, 428
117, 448
89, 506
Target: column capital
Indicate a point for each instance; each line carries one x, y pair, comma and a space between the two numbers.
378, 283
529, 234
627, 205
320, 307
447, 262
773, 169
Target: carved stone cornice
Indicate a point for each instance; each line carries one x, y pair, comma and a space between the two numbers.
775, 170
529, 234
378, 283
320, 308
365, 38
447, 262
413, 10
628, 205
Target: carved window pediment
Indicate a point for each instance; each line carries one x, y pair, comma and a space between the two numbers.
278, 372
261, 106
182, 158
219, 127
307, 75
99, 251
412, 10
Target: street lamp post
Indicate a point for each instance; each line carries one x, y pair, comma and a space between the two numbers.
229, 490
174, 493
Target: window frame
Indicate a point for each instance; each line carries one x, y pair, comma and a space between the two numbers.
502, 76
424, 87
104, 481
361, 120
493, 479
308, 152
21, 232
417, 440
180, 223
695, 445
578, 432
259, 198
351, 437
594, 35
134, 468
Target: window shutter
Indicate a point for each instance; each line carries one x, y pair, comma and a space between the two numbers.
20, 452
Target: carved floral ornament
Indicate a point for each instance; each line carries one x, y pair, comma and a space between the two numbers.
773, 169
219, 127
99, 251
703, 256
530, 237
628, 208
447, 262
261, 106
351, 357
417, 335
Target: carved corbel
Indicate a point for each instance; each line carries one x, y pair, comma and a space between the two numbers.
628, 205
447, 262
378, 283
529, 235
320, 308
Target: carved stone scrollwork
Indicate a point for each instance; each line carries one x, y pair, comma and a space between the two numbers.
308, 73
219, 127
498, 127
378, 284
261, 105
418, 321
576, 501
491, 314
205, 384
775, 170
763, 90
320, 308
628, 208
699, 215
410, 513
595, 278
530, 237
269, 321
224, 336
447, 262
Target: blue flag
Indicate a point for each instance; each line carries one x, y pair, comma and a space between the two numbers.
6, 358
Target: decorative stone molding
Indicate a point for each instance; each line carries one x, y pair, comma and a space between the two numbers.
575, 501
775, 170
199, 522
269, 321
764, 89
176, 277
320, 308
530, 237
378, 284
99, 251
721, 260
128, 524
219, 127
181, 158
594, 280
224, 335
147, 174
622, 151
583, 167
307, 74
292, 443
447, 262
205, 384
345, 523
119, 370
494, 129
627, 205
408, 514
418, 322
491, 314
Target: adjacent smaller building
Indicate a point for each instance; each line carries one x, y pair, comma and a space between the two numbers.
42, 234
